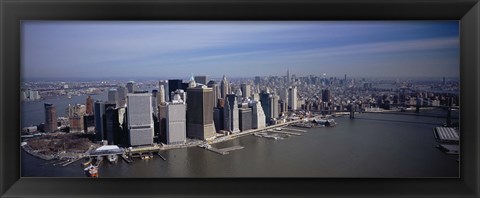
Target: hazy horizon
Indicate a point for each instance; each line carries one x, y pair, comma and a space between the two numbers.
141, 49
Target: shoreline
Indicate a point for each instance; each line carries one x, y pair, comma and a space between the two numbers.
30, 151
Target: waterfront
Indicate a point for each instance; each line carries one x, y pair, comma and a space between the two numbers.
371, 145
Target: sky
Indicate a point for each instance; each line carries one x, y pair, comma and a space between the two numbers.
157, 49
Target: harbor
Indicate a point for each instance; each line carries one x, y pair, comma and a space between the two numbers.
319, 150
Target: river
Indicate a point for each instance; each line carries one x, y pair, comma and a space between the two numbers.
371, 146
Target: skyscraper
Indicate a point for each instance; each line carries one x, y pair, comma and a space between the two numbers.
230, 114
75, 117
325, 95
288, 77
175, 121
113, 96
99, 116
292, 98
155, 102
165, 89
173, 85
224, 87
200, 113
275, 106
246, 90
161, 95
112, 125
162, 121
139, 119
267, 105
216, 91
131, 87
201, 79
89, 106
50, 117
245, 119
284, 96
258, 116
122, 95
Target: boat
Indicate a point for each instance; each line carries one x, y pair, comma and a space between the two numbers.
330, 123
112, 158
91, 171
147, 157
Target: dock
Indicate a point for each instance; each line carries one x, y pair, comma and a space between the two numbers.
161, 157
218, 151
124, 157
297, 130
284, 132
231, 148
72, 161
222, 151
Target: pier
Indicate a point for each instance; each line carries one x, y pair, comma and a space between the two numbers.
284, 132
297, 130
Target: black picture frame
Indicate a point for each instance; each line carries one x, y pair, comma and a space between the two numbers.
13, 11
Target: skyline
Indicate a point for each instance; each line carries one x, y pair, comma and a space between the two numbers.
66, 49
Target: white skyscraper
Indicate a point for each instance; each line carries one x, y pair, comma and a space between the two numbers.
258, 117
139, 119
224, 87
165, 87
161, 95
176, 130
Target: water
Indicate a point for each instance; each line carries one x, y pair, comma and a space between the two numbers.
33, 112
371, 145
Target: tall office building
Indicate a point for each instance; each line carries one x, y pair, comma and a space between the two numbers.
112, 125
122, 96
200, 113
292, 98
161, 95
165, 89
175, 121
173, 85
275, 106
99, 109
50, 117
139, 119
325, 95
201, 79
216, 92
162, 121
267, 105
246, 90
245, 119
283, 107
239, 94
224, 87
113, 96
89, 123
89, 106
218, 118
284, 96
155, 102
75, 117
230, 114
288, 77
258, 116
132, 87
